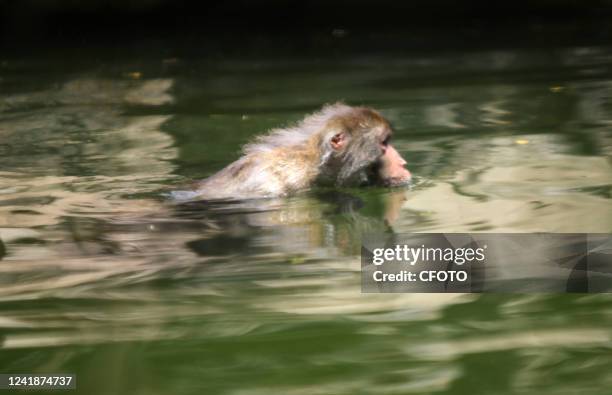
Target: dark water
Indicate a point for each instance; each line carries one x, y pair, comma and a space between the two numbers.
101, 276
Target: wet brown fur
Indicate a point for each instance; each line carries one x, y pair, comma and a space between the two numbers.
293, 159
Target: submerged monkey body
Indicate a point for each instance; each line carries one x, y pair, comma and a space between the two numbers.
337, 146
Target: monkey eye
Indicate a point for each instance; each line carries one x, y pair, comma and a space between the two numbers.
385, 142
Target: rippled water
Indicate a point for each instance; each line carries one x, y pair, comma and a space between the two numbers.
102, 276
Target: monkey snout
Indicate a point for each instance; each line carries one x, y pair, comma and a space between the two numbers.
392, 170
398, 175
393, 157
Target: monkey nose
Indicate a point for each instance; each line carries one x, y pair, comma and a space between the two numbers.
403, 175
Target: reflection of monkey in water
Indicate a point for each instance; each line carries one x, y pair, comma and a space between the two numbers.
324, 223
338, 146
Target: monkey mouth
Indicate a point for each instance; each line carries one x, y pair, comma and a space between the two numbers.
396, 177
395, 181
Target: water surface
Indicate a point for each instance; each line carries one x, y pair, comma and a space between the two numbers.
102, 276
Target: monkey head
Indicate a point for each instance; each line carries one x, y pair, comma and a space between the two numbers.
357, 150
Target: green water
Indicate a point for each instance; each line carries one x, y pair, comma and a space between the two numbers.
102, 277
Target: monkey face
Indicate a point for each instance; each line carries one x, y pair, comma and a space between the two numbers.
364, 151
378, 164
390, 170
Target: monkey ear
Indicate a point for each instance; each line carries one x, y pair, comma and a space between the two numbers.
338, 141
